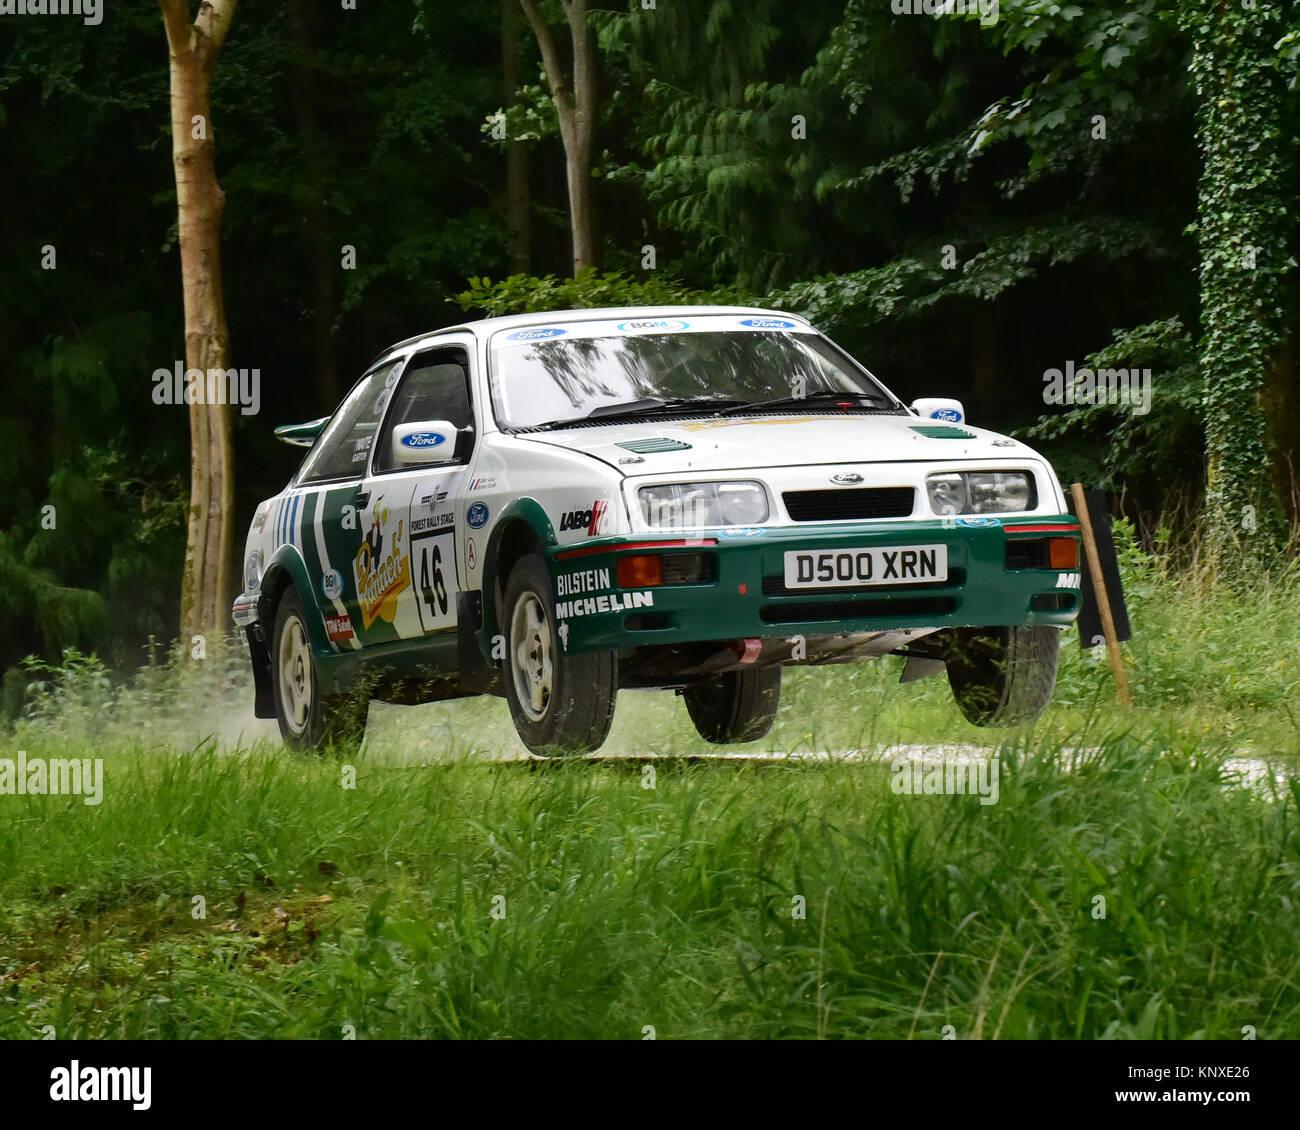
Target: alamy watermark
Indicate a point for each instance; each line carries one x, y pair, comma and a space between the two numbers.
179, 385
91, 11
35, 776
1129, 388
987, 10
932, 777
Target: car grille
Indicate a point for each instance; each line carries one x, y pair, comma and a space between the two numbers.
846, 505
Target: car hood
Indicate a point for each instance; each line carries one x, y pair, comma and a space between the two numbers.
730, 442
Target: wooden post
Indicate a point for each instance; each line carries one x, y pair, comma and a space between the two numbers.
1103, 597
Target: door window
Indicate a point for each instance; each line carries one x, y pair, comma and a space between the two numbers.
436, 387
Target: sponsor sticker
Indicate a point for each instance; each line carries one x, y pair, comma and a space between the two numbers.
605, 602
419, 441
663, 325
483, 482
477, 515
947, 415
382, 568
590, 519
742, 532
339, 628
331, 584
768, 324
536, 333
979, 523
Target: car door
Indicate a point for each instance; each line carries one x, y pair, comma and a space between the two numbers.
406, 570
327, 498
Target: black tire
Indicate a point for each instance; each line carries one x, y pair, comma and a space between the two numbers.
1003, 676
561, 703
738, 706
308, 720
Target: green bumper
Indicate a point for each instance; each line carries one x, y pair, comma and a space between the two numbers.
743, 595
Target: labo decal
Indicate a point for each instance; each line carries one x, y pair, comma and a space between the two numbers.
606, 602
382, 568
591, 519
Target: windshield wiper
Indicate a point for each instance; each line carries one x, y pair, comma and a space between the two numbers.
820, 394
639, 408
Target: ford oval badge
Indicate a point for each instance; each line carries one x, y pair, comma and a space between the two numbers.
846, 478
419, 440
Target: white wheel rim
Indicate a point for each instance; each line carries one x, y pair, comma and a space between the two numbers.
295, 674
531, 656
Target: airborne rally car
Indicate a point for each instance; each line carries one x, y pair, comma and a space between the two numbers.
551, 507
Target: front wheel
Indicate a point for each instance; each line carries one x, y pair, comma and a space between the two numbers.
1003, 676
738, 706
561, 703
308, 719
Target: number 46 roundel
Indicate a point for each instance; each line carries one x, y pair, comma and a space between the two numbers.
434, 557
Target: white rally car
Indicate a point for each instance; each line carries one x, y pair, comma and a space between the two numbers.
550, 507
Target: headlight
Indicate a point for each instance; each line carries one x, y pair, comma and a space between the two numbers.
688, 506
980, 492
253, 571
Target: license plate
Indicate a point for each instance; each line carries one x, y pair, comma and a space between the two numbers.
854, 568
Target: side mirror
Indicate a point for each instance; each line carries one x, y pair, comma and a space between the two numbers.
425, 441
301, 435
940, 408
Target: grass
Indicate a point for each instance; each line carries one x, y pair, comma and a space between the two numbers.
1125, 885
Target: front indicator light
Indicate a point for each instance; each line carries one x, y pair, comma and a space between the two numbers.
1063, 553
641, 571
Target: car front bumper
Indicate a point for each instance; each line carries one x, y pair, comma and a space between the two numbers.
740, 594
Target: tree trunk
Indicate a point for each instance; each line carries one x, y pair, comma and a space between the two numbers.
1244, 235
193, 48
321, 257
518, 207
575, 106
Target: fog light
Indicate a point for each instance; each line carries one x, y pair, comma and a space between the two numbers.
1063, 553
641, 571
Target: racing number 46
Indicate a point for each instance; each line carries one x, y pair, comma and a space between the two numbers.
435, 561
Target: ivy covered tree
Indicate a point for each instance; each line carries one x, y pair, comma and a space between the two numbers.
1244, 230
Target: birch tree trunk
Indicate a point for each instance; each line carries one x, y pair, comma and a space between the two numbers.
575, 106
193, 49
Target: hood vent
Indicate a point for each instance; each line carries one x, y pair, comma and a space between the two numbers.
942, 431
654, 445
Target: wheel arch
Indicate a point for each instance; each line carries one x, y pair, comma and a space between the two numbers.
522, 528
286, 568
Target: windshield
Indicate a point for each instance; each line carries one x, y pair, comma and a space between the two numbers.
540, 376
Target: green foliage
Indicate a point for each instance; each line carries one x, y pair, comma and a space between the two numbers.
522, 294
1122, 446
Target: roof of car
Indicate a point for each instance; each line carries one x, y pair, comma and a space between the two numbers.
485, 326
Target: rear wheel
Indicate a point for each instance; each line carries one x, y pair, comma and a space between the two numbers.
738, 706
308, 719
561, 703
1003, 676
